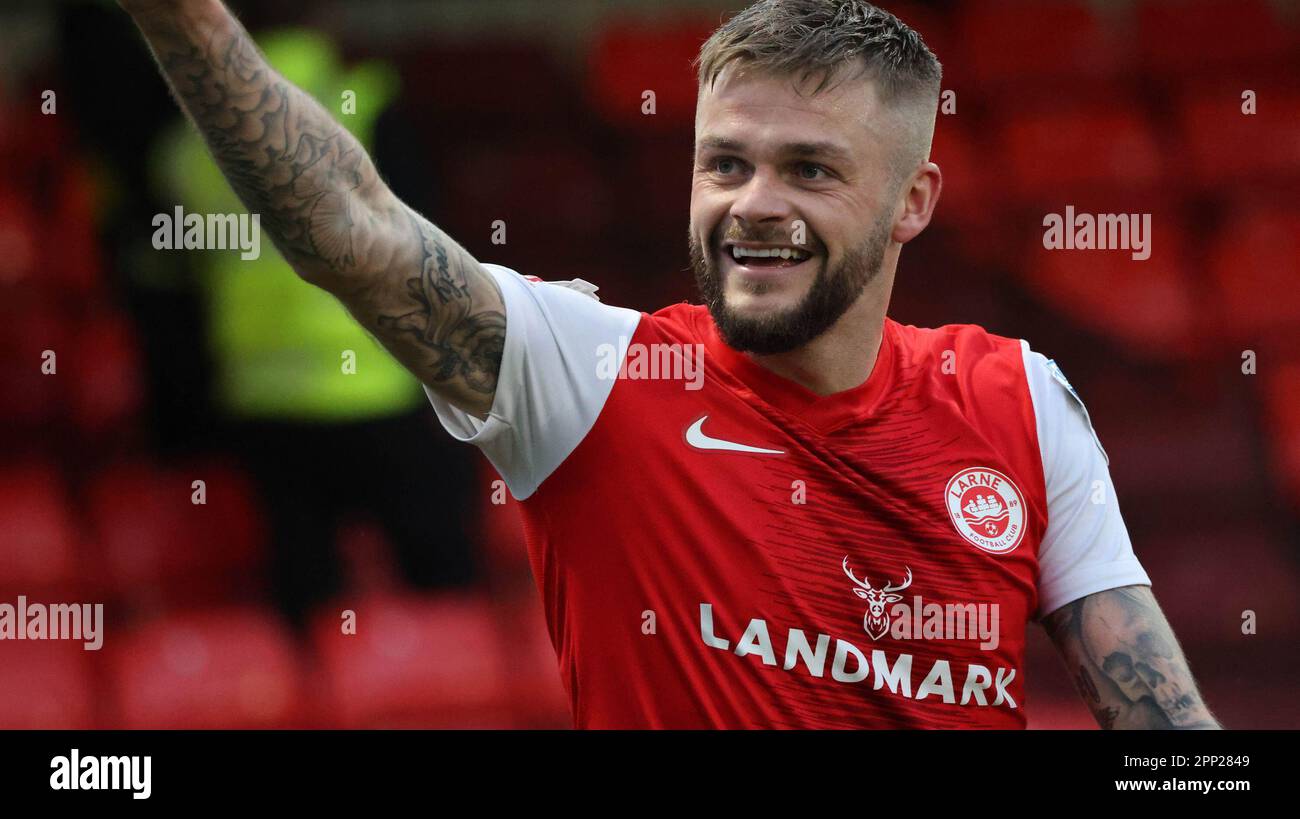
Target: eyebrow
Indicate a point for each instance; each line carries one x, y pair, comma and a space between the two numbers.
829, 150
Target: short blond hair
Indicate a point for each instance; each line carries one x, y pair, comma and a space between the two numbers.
817, 38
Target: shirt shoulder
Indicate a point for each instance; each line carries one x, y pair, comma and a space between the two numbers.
961, 360
552, 385
678, 322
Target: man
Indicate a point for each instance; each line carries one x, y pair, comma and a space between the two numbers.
729, 547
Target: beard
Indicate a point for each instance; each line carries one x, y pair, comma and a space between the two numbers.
832, 292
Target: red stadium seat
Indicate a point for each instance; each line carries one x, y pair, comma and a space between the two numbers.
1148, 305
658, 177
229, 526
935, 30
965, 197
1060, 156
1180, 37
551, 196
1022, 43
1254, 263
141, 529
46, 685
30, 398
1223, 147
629, 58
71, 258
1282, 409
415, 661
487, 83
30, 143
106, 374
1159, 468
157, 547
19, 239
39, 538
230, 668
47, 207
1205, 608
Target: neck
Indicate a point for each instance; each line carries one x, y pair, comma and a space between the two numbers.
844, 356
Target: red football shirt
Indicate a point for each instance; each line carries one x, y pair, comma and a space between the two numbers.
718, 547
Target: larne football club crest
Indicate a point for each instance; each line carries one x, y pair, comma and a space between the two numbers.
987, 509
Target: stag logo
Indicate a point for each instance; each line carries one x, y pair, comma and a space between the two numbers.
987, 509
876, 619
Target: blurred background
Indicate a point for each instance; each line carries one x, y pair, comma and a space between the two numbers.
325, 491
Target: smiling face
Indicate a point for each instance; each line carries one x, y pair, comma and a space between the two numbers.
793, 204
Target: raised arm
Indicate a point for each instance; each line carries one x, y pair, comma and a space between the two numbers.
324, 206
1126, 662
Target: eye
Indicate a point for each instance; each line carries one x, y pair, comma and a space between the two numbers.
725, 164
814, 168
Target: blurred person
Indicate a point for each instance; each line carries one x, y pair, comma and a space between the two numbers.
324, 440
708, 543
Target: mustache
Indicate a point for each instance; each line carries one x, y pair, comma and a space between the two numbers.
810, 242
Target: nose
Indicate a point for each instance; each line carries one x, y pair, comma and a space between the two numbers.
761, 200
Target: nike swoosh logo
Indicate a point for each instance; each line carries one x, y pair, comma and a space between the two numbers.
695, 437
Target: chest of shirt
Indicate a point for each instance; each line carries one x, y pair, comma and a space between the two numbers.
682, 496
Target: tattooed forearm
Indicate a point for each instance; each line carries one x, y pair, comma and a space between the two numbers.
322, 202
465, 344
1105, 715
283, 154
1126, 662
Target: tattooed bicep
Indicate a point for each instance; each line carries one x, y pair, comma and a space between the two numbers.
1125, 661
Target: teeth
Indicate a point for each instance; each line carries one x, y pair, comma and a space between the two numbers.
769, 253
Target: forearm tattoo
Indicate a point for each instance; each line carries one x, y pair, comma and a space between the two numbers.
463, 344
284, 156
1126, 663
321, 201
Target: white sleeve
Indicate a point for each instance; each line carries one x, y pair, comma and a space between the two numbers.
1086, 548
562, 351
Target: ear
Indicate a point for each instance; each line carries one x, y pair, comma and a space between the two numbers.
859, 592
920, 195
894, 598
